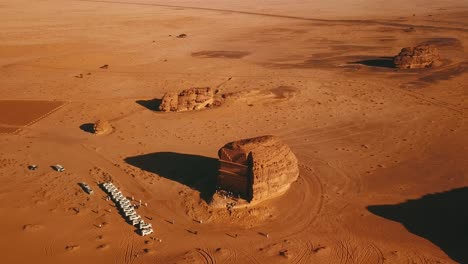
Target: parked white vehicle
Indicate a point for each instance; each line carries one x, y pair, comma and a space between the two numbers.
135, 217
129, 210
130, 214
126, 206
59, 168
86, 188
145, 232
145, 225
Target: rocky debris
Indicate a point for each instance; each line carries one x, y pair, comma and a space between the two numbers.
422, 56
271, 166
284, 253
318, 249
148, 250
72, 247
187, 100
102, 127
32, 228
103, 246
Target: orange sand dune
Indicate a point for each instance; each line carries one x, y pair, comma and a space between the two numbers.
381, 151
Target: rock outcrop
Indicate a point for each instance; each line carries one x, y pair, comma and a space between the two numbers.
423, 56
169, 102
270, 165
102, 127
187, 100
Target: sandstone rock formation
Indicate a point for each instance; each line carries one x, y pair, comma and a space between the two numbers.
169, 102
187, 100
422, 56
259, 168
102, 127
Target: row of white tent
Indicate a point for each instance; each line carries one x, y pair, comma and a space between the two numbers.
127, 209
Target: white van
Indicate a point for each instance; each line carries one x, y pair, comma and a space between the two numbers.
59, 168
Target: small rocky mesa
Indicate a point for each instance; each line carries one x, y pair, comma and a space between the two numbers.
422, 56
187, 100
256, 169
101, 127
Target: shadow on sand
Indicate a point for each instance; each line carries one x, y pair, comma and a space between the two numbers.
442, 218
88, 127
152, 104
382, 62
197, 172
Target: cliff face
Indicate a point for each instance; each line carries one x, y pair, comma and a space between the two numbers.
273, 166
422, 56
187, 100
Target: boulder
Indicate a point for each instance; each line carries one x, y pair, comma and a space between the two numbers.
169, 102
423, 56
102, 127
270, 164
187, 100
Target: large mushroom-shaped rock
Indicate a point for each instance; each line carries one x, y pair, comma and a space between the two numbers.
101, 127
187, 100
257, 168
422, 56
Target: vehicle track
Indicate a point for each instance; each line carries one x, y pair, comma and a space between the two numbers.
307, 132
431, 101
48, 249
348, 251
250, 257
305, 249
418, 258
229, 258
311, 189
324, 21
126, 251
208, 258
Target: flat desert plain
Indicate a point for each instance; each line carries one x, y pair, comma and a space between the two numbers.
383, 152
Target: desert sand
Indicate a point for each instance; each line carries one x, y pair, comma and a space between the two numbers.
382, 152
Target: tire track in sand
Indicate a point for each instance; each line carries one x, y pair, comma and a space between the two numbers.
355, 252
207, 257
309, 188
303, 257
126, 253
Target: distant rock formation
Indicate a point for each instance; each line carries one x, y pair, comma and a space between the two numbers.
187, 100
258, 168
102, 127
423, 56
